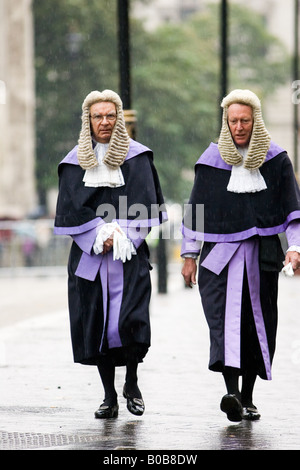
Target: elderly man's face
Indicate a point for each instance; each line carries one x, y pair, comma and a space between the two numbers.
240, 122
103, 120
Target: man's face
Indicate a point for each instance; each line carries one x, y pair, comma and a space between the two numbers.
103, 120
240, 122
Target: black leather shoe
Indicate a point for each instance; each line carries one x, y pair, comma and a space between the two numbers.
136, 406
231, 405
106, 411
250, 413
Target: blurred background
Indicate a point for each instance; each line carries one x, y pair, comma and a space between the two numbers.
172, 62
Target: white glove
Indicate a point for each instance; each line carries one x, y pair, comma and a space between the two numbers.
103, 234
288, 270
123, 248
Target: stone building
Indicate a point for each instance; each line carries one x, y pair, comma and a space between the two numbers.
17, 104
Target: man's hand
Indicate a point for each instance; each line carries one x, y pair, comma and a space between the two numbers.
189, 271
293, 257
108, 244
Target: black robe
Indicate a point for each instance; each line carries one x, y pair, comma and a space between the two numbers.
241, 256
109, 299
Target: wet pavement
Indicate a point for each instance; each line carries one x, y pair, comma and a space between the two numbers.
47, 402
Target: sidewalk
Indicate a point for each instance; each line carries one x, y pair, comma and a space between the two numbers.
47, 402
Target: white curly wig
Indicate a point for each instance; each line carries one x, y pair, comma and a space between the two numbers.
119, 142
260, 138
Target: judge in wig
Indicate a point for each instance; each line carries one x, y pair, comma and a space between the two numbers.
246, 186
109, 199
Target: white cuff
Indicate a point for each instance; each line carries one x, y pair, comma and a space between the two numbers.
294, 248
190, 255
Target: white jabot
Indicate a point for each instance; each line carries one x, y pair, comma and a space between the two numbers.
243, 180
102, 175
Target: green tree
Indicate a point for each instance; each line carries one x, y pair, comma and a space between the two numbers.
175, 80
177, 90
75, 52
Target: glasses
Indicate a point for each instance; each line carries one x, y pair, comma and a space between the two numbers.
99, 118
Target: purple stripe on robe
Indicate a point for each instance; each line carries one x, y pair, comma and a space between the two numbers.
190, 246
238, 236
78, 228
135, 148
211, 156
253, 273
232, 324
293, 233
89, 266
115, 290
71, 157
236, 256
98, 222
111, 274
86, 240
220, 256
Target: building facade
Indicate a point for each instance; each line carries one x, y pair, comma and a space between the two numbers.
17, 104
